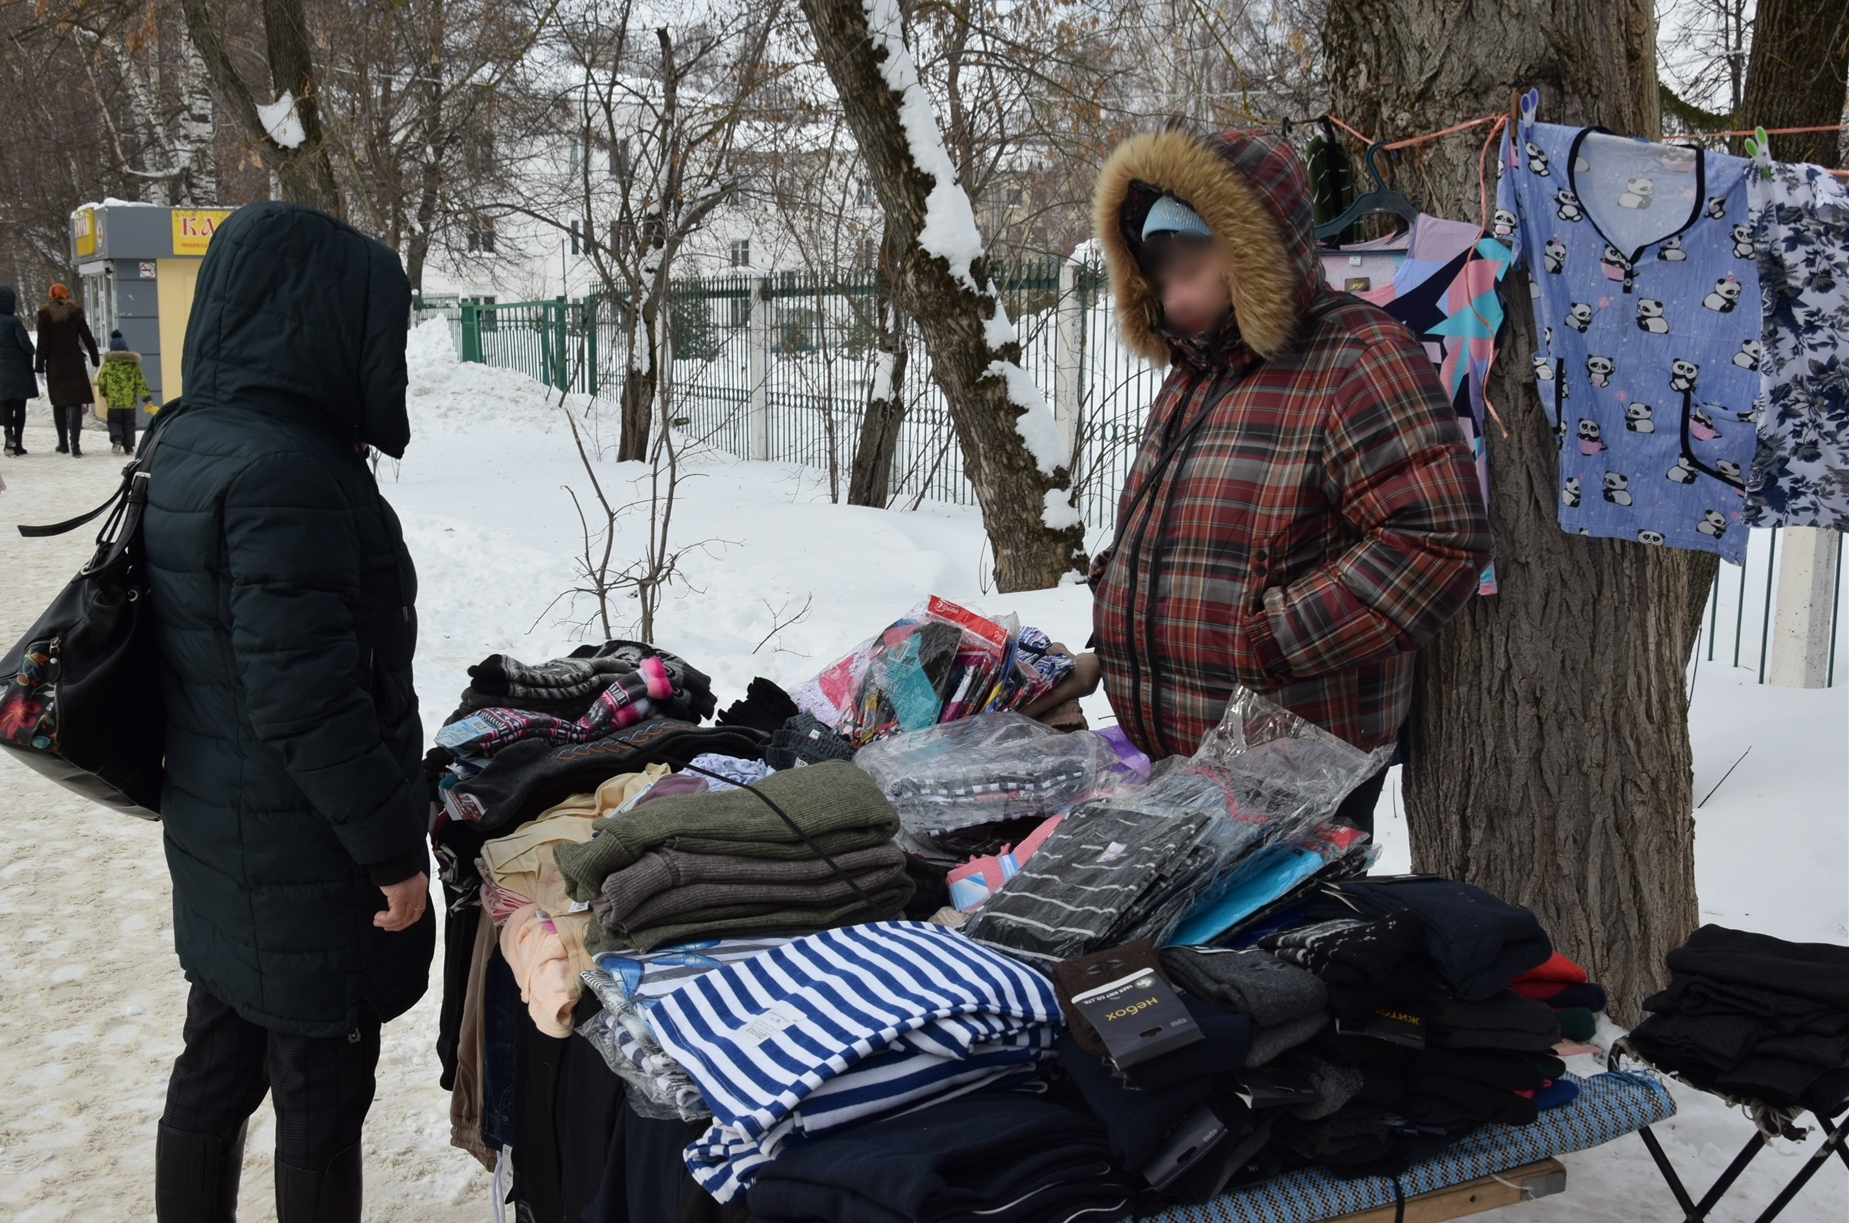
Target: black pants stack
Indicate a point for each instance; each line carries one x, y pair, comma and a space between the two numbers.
69, 420
13, 421
321, 1085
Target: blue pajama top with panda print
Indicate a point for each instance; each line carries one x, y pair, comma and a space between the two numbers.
1646, 300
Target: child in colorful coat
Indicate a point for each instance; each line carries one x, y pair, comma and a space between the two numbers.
124, 387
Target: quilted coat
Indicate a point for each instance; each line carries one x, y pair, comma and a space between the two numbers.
284, 595
1302, 515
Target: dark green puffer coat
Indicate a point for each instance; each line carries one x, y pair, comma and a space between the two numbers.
284, 595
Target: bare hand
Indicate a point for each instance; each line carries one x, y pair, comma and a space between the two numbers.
407, 901
1082, 680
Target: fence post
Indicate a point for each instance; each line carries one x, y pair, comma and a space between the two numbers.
1068, 321
561, 345
471, 333
589, 322
1802, 625
757, 411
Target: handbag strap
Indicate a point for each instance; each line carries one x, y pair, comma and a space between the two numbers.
143, 466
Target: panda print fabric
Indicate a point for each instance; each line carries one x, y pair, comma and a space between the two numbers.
1649, 322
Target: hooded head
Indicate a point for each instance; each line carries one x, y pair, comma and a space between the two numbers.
296, 313
1251, 191
9, 300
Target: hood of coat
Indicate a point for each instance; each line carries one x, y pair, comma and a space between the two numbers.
1254, 194
123, 356
61, 311
9, 300
298, 314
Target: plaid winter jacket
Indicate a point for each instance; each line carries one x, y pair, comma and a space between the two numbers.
1303, 514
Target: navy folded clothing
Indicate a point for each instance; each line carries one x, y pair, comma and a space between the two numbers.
991, 1157
1226, 1040
1134, 1120
1478, 941
1815, 971
1588, 994
1504, 1021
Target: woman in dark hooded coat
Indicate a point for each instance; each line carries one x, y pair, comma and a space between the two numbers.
64, 340
294, 813
16, 381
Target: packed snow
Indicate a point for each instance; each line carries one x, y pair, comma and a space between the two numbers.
281, 122
96, 998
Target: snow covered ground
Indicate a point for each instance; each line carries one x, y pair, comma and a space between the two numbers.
94, 998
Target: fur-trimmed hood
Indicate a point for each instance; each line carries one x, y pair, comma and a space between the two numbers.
123, 354
1252, 190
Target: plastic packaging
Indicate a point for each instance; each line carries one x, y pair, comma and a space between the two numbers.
1135, 863
994, 766
620, 1032
938, 663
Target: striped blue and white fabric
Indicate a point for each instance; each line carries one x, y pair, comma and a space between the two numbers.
844, 1025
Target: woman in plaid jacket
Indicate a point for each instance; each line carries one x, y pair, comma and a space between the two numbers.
1303, 514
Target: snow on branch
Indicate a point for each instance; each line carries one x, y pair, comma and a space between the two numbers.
281, 122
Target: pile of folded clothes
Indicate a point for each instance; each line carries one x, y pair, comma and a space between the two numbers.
801, 850
1186, 1119
842, 1027
1424, 1024
1576, 998
1753, 1018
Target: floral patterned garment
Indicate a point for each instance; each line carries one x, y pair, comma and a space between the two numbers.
1800, 475
1645, 291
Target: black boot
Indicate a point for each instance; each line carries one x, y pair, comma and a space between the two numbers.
196, 1176
332, 1196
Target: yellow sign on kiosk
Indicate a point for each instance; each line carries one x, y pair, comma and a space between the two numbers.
193, 228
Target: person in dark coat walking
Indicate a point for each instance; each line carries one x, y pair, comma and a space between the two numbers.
294, 812
64, 339
17, 383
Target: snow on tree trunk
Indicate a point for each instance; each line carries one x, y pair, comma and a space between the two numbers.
198, 129
1011, 447
1549, 749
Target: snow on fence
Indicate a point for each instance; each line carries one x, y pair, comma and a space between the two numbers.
781, 366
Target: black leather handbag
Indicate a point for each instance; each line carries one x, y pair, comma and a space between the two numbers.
80, 693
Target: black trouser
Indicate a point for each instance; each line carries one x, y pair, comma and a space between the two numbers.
69, 420
322, 1085
13, 421
122, 428
1357, 810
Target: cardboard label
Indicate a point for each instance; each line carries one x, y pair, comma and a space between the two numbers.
761, 1027
1138, 1017
1276, 1087
193, 228
1394, 1027
1188, 1140
1357, 284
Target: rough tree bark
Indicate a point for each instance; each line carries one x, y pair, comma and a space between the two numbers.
304, 171
1549, 750
1797, 75
870, 480
953, 317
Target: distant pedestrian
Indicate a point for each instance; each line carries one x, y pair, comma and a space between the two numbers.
124, 389
16, 381
64, 339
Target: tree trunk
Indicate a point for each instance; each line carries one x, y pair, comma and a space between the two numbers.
969, 359
304, 173
198, 123
870, 482
1797, 75
1549, 754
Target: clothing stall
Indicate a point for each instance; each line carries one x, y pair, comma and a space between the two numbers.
890, 948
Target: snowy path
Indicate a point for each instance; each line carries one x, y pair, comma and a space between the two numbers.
94, 997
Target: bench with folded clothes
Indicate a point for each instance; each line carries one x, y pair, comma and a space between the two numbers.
707, 972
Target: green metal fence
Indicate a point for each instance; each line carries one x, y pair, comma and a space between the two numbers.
780, 367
